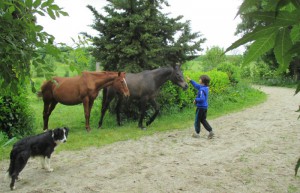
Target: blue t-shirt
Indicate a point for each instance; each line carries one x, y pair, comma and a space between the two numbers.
202, 95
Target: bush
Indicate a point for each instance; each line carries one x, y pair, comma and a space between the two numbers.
257, 71
232, 71
219, 82
213, 57
15, 116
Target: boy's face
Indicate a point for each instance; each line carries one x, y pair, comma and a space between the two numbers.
200, 80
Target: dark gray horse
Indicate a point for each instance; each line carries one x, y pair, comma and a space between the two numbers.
144, 87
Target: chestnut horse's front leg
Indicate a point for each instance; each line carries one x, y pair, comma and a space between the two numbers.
87, 104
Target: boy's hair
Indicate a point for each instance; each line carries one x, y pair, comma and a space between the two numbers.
205, 80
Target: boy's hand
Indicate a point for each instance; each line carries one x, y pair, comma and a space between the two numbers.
188, 78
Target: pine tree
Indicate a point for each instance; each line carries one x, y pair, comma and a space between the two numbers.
135, 35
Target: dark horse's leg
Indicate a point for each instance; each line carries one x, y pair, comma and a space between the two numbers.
143, 113
156, 108
48, 108
107, 98
118, 108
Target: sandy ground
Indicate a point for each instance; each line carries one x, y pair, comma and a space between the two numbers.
254, 150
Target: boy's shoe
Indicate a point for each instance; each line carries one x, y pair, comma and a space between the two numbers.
196, 135
211, 135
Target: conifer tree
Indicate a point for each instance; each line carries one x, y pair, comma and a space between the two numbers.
135, 35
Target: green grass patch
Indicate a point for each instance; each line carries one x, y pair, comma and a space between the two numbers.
233, 100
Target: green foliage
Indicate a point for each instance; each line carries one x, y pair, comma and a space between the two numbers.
257, 71
219, 82
16, 119
277, 27
46, 68
135, 35
213, 57
233, 72
80, 59
20, 36
193, 65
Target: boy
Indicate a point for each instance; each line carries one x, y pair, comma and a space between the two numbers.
201, 102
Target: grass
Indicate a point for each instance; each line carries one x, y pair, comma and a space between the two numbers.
236, 99
73, 117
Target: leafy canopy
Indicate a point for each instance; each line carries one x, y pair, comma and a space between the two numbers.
280, 28
21, 36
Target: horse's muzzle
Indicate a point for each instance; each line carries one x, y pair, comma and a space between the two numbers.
126, 95
185, 87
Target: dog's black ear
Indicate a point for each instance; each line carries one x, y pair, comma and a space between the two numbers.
56, 133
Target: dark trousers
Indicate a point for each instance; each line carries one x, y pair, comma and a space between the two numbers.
201, 118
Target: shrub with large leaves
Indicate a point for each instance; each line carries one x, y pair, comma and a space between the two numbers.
280, 31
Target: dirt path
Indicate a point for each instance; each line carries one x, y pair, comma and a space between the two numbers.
254, 150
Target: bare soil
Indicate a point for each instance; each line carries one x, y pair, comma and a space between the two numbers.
254, 150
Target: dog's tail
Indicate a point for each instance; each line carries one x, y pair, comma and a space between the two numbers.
11, 168
13, 158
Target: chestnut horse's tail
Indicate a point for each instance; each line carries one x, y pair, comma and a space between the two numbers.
104, 97
39, 94
46, 87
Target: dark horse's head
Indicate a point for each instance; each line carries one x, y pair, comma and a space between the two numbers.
178, 78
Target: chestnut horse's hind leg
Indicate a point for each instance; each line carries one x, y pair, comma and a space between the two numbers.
48, 108
87, 104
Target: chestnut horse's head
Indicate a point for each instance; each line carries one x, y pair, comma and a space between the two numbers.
120, 84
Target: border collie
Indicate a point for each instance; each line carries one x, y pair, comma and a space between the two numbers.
41, 145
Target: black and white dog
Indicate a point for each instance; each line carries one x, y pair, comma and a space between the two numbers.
41, 145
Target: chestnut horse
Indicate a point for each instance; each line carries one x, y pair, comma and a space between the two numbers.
144, 87
79, 89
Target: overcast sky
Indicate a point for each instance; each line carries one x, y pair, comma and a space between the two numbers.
214, 19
